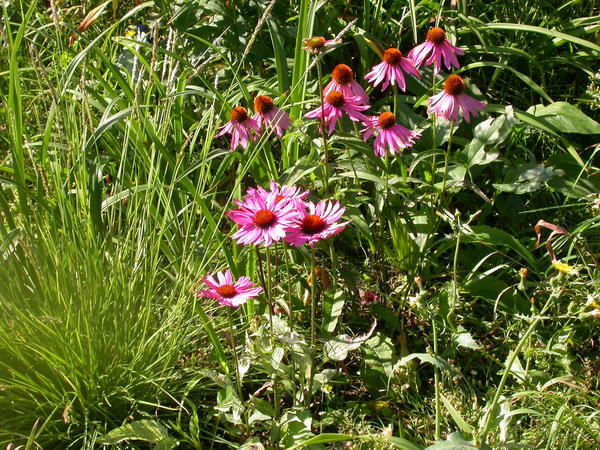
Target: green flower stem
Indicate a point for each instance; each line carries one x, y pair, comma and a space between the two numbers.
436, 379
446, 161
324, 131
313, 288
482, 437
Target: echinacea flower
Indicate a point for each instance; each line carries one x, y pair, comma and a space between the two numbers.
437, 50
342, 80
389, 134
316, 43
281, 192
270, 116
262, 219
391, 70
241, 127
333, 108
228, 292
452, 98
319, 222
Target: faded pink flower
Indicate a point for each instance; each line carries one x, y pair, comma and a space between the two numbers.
227, 292
391, 70
437, 50
318, 223
241, 127
389, 134
269, 115
452, 98
262, 219
333, 108
281, 192
316, 43
342, 80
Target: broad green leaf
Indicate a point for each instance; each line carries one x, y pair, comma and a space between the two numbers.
454, 442
333, 305
527, 178
495, 237
142, 430
338, 347
425, 357
565, 118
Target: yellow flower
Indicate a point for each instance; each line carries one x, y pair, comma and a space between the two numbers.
565, 268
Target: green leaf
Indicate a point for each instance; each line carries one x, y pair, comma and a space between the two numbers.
141, 430
454, 442
338, 347
498, 238
490, 132
425, 357
565, 118
324, 438
540, 30
464, 426
465, 339
400, 443
527, 178
333, 305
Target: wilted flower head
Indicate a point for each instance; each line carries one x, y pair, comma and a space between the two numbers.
368, 297
318, 223
437, 50
227, 292
342, 80
452, 98
316, 43
391, 70
389, 134
262, 217
269, 115
241, 127
333, 108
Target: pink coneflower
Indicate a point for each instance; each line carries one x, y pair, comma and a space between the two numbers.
281, 192
262, 219
241, 127
391, 70
437, 50
227, 292
319, 222
389, 134
269, 115
452, 98
342, 80
316, 43
334, 107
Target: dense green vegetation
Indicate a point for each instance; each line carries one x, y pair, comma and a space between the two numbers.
436, 319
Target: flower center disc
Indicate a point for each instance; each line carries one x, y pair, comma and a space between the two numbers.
386, 120
454, 85
239, 114
312, 224
316, 42
264, 218
335, 98
342, 74
392, 56
227, 290
263, 104
436, 35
